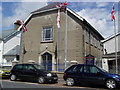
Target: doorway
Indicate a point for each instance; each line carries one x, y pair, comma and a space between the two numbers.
47, 61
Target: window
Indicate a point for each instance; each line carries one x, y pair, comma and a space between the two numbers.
47, 34
18, 67
91, 39
86, 35
90, 69
93, 69
76, 69
86, 69
30, 67
95, 42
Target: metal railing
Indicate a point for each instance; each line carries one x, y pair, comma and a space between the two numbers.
54, 67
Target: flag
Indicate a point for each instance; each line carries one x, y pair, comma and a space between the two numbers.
62, 5
23, 25
58, 18
113, 13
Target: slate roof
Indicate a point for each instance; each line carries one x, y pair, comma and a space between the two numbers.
111, 37
14, 51
8, 34
5, 33
50, 6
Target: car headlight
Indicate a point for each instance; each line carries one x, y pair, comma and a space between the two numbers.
117, 78
49, 74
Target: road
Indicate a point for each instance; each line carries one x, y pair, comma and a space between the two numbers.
61, 84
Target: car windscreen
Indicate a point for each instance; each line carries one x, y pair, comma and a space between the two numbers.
102, 69
38, 67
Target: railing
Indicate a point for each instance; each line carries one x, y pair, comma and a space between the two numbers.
57, 67
61, 67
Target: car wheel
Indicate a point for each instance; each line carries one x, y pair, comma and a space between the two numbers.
13, 77
111, 84
70, 81
41, 80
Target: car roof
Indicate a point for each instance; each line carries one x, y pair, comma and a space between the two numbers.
85, 65
26, 64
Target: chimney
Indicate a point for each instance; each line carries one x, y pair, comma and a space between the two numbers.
16, 25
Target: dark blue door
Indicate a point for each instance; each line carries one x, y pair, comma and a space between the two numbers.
47, 61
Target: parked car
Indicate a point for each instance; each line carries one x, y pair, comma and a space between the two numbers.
4, 73
32, 72
90, 74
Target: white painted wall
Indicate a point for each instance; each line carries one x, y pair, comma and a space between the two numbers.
105, 64
1, 51
110, 45
7, 46
12, 43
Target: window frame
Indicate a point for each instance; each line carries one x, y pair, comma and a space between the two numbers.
45, 29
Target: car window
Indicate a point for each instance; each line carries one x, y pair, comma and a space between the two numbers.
86, 69
76, 69
70, 69
30, 67
90, 69
18, 67
93, 69
38, 67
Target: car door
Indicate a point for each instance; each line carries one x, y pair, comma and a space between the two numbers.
30, 72
75, 72
18, 71
96, 76
79, 73
92, 75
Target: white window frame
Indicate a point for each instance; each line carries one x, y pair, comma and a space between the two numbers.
45, 29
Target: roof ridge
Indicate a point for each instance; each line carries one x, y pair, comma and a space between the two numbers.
49, 6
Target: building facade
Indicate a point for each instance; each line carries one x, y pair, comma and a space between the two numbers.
1, 51
10, 47
109, 57
44, 44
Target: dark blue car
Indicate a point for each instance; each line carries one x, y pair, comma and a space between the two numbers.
90, 74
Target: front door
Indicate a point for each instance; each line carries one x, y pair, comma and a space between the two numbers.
47, 61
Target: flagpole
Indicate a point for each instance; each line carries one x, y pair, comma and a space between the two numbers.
115, 47
66, 42
58, 45
21, 49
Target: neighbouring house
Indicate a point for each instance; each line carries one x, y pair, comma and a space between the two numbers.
55, 49
109, 57
9, 47
1, 48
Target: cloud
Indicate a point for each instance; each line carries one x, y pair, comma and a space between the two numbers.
21, 11
98, 4
99, 18
24, 0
